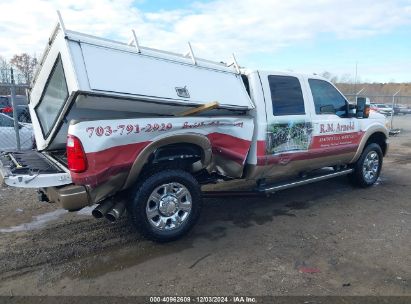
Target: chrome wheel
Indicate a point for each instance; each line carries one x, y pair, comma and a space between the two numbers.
371, 166
168, 206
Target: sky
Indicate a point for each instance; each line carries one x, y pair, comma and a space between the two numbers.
281, 35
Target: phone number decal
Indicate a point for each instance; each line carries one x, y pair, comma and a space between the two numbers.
127, 129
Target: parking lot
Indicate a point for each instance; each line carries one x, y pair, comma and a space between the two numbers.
326, 238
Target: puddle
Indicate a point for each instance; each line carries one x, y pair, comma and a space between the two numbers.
118, 259
213, 234
249, 219
298, 205
39, 221
282, 212
131, 255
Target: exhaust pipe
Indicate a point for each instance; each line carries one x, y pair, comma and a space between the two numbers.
117, 211
102, 209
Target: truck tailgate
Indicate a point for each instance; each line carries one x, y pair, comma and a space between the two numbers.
32, 169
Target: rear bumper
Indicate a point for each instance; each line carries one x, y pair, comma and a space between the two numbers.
71, 197
18, 169
32, 169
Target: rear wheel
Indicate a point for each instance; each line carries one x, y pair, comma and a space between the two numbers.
368, 167
166, 205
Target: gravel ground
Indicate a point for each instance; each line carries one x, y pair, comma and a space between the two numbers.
326, 238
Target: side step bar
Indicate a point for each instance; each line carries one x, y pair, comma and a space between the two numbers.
300, 182
279, 186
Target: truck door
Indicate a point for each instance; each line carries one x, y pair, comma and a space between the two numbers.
289, 129
336, 136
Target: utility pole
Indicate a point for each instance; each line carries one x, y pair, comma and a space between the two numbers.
14, 105
393, 104
356, 74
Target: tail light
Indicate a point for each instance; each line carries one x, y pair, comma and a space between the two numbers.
7, 110
76, 157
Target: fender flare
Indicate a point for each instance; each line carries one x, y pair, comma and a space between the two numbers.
377, 128
191, 138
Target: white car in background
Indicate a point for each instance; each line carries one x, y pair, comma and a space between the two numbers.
8, 139
382, 108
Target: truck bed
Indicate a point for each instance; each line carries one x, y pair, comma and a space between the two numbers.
27, 162
60, 156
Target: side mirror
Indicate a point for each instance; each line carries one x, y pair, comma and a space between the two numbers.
327, 109
352, 110
363, 107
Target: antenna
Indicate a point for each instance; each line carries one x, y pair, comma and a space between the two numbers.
136, 41
192, 54
63, 28
237, 67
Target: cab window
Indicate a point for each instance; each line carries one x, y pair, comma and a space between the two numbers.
286, 95
327, 99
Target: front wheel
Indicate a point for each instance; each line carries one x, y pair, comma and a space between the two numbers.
166, 205
368, 167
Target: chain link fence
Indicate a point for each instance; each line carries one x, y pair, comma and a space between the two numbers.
16, 131
399, 104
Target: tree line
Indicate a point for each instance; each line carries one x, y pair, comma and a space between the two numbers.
347, 85
23, 66
378, 92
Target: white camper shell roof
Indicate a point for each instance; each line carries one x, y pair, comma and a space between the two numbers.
106, 75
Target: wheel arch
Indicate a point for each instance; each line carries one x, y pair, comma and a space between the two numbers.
380, 139
185, 143
375, 134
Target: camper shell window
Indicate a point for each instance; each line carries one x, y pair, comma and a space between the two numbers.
54, 96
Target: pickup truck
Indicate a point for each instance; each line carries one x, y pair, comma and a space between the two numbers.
131, 128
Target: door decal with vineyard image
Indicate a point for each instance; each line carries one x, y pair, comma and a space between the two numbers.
286, 137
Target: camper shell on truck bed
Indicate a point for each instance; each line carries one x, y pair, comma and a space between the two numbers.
107, 79
82, 79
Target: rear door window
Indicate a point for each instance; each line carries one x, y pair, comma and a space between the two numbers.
54, 96
286, 95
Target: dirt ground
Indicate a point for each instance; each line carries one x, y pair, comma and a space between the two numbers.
326, 238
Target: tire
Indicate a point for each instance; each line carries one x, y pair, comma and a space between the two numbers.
368, 167
166, 205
